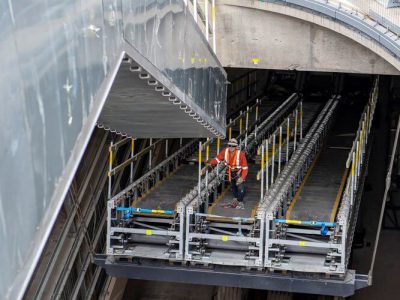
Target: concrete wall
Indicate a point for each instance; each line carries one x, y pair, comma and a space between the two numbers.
251, 36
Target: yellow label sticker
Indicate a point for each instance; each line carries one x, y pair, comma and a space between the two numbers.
149, 232
225, 238
302, 243
255, 60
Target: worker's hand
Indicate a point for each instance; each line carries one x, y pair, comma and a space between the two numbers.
239, 181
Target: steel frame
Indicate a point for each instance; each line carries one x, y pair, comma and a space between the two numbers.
221, 242
164, 235
291, 246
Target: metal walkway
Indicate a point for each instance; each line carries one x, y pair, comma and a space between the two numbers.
253, 188
201, 233
321, 190
166, 194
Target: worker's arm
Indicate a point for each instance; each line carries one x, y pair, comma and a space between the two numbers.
220, 157
245, 168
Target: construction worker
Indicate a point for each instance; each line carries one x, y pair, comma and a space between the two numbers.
237, 171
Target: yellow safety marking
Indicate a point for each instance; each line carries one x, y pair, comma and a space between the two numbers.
158, 211
207, 152
213, 13
339, 195
133, 146
200, 156
240, 125
218, 144
230, 132
255, 60
288, 130
149, 232
302, 243
209, 210
225, 238
193, 60
111, 158
352, 168
296, 196
293, 222
262, 160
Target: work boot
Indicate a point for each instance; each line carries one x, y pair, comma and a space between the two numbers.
233, 204
240, 205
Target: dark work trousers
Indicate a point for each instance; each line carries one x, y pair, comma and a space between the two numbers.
237, 190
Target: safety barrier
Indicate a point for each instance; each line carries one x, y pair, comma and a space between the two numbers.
206, 234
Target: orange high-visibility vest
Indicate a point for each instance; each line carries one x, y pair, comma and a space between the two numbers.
236, 162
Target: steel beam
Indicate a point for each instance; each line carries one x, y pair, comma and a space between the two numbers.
225, 276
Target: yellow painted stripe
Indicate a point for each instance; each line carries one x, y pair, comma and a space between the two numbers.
111, 158
210, 209
213, 13
262, 161
293, 222
200, 156
296, 196
339, 195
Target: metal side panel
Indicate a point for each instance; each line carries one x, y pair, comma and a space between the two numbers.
57, 61
165, 42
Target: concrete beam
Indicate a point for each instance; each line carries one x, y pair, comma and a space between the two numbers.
270, 36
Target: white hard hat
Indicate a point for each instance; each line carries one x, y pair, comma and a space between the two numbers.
233, 142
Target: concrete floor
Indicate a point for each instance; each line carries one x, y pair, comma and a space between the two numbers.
387, 268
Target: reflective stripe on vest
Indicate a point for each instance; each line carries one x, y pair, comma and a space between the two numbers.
237, 160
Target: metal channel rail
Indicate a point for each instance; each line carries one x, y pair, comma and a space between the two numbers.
146, 219
310, 214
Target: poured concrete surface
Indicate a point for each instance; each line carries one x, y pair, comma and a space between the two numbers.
261, 42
